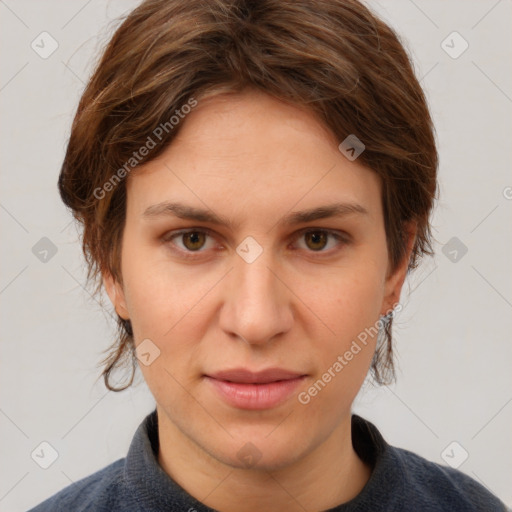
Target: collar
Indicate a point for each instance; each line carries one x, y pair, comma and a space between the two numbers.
155, 490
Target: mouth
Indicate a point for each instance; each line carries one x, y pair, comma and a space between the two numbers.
245, 389
245, 376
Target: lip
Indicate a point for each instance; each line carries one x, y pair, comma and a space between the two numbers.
245, 376
246, 389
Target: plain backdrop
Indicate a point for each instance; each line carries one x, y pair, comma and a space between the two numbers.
453, 340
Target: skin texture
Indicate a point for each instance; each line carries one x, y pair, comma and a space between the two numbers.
253, 159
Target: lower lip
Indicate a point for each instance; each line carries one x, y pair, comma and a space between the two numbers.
255, 396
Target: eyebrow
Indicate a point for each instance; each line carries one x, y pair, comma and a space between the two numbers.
183, 211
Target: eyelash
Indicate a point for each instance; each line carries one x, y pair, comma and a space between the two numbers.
343, 239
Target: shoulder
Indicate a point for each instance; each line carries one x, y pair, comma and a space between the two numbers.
403, 481
99, 492
441, 487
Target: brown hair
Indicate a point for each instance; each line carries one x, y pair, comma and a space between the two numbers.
332, 56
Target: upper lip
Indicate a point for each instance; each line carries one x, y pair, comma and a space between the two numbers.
245, 376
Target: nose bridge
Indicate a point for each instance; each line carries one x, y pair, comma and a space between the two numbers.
254, 281
257, 309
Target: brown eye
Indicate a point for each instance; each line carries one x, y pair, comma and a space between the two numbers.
193, 240
322, 241
189, 241
316, 240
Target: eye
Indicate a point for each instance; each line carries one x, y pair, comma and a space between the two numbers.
192, 240
316, 240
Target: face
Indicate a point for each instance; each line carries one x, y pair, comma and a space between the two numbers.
250, 284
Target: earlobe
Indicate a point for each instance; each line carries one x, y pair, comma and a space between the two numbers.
395, 280
116, 294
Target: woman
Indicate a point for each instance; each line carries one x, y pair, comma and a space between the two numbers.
255, 182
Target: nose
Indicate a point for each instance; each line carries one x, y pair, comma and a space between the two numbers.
257, 305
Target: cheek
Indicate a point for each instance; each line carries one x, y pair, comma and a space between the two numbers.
168, 307
348, 301
348, 306
159, 295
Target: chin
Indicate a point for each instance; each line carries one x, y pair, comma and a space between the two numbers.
259, 452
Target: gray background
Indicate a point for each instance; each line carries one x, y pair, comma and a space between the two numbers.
452, 337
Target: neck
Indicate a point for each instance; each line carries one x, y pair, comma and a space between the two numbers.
328, 475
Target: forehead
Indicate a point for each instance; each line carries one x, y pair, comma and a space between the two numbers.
262, 110
255, 150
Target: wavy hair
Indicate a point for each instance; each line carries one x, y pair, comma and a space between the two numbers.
334, 57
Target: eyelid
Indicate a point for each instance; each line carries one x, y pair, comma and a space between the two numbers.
341, 236
171, 235
336, 233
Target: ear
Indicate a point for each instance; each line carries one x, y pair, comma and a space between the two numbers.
115, 292
395, 280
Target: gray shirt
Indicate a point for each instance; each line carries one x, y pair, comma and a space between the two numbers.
400, 481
